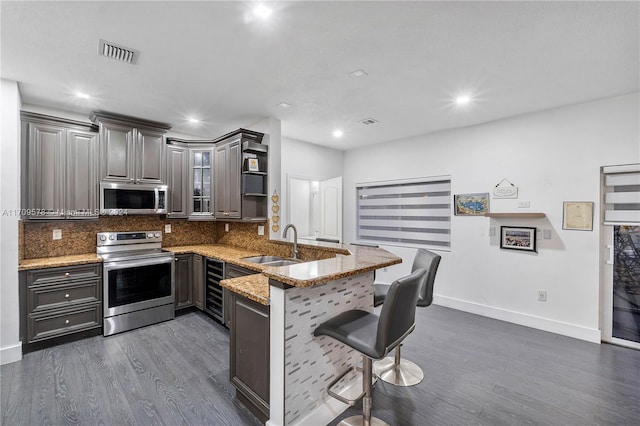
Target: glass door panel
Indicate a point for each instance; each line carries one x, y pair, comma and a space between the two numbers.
626, 283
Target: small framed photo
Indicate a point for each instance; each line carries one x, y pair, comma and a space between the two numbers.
577, 215
252, 165
471, 204
518, 238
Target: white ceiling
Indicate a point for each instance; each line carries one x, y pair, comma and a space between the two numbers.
210, 60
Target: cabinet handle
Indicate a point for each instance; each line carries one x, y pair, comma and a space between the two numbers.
66, 274
66, 321
176, 259
66, 296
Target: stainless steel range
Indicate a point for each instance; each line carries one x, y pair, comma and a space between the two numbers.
138, 280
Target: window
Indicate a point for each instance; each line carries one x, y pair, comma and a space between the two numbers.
622, 194
410, 213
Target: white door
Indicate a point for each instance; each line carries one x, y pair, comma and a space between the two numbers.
331, 209
621, 301
620, 296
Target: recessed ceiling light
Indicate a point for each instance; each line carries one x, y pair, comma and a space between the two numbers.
463, 99
369, 121
261, 11
337, 133
284, 105
82, 95
358, 74
193, 120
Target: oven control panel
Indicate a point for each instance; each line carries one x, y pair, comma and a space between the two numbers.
122, 238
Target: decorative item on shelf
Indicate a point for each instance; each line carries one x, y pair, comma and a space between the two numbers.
252, 165
577, 215
518, 238
275, 208
505, 189
471, 204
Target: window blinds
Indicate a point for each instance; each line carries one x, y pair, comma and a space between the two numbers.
408, 213
622, 194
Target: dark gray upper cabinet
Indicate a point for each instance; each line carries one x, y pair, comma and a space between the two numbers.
117, 150
150, 156
131, 150
60, 159
200, 204
177, 180
82, 173
227, 179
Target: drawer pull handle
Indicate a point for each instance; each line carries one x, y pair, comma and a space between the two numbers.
66, 321
66, 274
66, 296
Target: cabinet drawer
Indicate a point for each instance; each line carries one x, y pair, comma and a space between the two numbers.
56, 275
41, 298
43, 327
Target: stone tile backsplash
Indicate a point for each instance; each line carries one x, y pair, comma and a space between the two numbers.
79, 237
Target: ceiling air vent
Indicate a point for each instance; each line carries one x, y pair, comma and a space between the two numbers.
368, 121
119, 53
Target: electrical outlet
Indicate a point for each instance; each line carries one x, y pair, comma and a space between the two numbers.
167, 229
542, 295
57, 234
524, 204
492, 231
260, 229
546, 234
226, 227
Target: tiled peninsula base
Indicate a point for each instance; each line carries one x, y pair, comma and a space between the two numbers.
302, 365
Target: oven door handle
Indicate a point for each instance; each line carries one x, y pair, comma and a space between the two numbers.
122, 264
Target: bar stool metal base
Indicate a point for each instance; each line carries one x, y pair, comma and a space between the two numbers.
397, 371
359, 421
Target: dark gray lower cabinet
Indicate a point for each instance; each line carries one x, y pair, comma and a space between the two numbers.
60, 304
232, 271
198, 281
249, 353
183, 281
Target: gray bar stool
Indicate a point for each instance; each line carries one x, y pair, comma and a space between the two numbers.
374, 336
395, 370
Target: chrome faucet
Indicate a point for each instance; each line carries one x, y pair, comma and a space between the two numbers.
295, 238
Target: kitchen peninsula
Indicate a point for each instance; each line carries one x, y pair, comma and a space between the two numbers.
300, 297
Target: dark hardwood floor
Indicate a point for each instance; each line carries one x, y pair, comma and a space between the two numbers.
478, 371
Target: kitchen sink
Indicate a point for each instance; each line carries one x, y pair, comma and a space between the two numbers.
271, 260
283, 262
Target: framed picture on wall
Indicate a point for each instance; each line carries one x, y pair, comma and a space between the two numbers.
577, 215
471, 204
518, 238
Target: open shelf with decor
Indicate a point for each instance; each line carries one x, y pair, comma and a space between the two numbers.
254, 180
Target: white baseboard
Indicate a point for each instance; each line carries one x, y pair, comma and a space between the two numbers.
11, 354
545, 324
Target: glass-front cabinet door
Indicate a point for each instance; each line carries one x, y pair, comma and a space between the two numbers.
200, 205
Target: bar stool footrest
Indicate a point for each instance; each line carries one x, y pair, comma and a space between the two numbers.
348, 386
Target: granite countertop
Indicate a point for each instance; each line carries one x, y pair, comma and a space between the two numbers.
307, 274
225, 253
54, 262
254, 287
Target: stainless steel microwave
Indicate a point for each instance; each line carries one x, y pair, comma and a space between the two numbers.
126, 198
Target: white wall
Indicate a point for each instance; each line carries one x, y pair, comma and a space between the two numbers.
305, 160
10, 346
552, 156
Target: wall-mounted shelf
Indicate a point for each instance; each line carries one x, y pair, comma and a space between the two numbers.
527, 215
